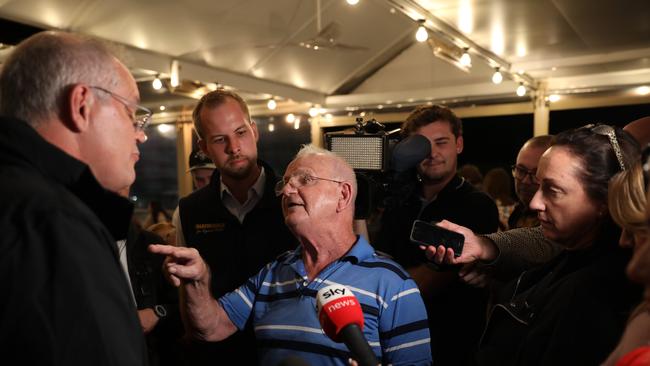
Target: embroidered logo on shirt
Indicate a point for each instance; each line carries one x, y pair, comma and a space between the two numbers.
209, 228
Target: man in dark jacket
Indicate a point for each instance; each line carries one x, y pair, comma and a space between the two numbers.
68, 140
435, 192
236, 221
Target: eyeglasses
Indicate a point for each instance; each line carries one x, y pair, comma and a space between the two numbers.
139, 114
520, 173
609, 131
299, 180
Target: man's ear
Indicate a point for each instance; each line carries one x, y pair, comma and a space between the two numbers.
204, 147
345, 197
77, 107
255, 131
459, 145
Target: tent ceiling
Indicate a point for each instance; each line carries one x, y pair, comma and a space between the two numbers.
266, 48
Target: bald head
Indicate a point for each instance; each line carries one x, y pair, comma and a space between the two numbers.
526, 166
337, 166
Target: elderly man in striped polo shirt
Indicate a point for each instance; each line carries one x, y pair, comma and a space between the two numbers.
318, 192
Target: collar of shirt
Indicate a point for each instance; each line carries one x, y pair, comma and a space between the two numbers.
255, 193
359, 252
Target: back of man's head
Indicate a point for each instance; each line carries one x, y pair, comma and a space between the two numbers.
214, 99
427, 114
37, 75
538, 142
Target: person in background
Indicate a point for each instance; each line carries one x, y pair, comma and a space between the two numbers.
201, 169
434, 193
524, 172
627, 205
69, 136
156, 214
318, 192
497, 185
472, 174
235, 222
165, 230
155, 299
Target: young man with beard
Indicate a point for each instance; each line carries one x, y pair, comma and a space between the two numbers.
526, 183
235, 222
436, 192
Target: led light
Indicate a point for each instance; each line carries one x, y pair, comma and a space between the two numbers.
353, 2
422, 34
290, 118
156, 84
271, 104
497, 78
465, 59
643, 90
271, 127
174, 79
164, 128
296, 124
553, 98
521, 90
314, 111
162, 108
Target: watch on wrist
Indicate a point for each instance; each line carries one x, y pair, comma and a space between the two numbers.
160, 311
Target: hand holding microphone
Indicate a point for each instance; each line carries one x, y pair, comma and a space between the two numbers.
341, 318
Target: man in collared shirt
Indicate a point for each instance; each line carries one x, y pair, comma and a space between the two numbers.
279, 302
235, 222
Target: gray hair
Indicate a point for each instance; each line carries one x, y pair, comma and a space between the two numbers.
37, 75
340, 168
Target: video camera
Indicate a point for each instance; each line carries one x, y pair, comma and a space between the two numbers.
379, 158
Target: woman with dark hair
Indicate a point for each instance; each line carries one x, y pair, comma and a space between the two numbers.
571, 310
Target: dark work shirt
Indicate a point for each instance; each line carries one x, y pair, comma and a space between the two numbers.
457, 312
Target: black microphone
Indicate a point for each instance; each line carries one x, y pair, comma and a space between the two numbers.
409, 152
341, 318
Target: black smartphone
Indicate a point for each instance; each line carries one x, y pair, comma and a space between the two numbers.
424, 233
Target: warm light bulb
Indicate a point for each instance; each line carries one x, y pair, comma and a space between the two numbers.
422, 34
290, 118
271, 127
643, 90
521, 90
156, 84
164, 128
162, 108
271, 104
174, 78
553, 98
466, 59
296, 124
314, 111
497, 78
353, 2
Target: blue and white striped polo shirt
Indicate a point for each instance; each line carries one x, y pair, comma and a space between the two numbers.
280, 303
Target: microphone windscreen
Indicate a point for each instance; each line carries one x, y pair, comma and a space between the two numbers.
337, 308
409, 152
